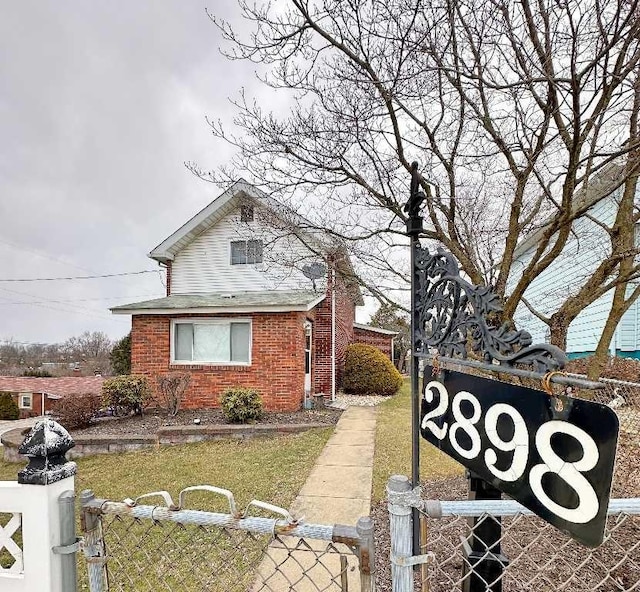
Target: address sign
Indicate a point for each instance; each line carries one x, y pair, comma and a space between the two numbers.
556, 460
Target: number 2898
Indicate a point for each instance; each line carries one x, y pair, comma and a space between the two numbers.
518, 445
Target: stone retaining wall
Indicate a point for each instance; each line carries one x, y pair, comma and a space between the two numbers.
105, 444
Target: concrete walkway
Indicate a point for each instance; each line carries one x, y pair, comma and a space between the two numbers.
338, 491
6, 425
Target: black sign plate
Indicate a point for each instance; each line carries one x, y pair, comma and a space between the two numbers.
553, 455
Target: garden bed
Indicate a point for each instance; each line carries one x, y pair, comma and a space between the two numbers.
152, 421
129, 434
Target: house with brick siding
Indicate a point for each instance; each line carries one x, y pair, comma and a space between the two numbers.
255, 298
36, 396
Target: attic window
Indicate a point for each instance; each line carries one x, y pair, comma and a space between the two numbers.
246, 214
246, 252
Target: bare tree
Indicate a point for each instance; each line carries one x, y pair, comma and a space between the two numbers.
517, 111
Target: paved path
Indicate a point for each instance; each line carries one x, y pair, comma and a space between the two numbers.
338, 491
7, 424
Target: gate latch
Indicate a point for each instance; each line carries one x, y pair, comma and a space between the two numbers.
411, 560
67, 549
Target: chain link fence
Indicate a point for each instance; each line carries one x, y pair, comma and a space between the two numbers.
623, 397
531, 555
132, 547
498, 545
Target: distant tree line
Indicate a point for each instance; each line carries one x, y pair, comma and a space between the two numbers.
90, 353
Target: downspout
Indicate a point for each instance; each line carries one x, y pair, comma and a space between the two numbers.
43, 395
333, 334
393, 343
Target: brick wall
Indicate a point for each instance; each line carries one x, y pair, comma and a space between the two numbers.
379, 340
36, 405
169, 278
277, 360
345, 317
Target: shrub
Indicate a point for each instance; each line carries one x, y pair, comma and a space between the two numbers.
120, 356
367, 371
8, 407
77, 410
171, 387
37, 373
126, 394
241, 405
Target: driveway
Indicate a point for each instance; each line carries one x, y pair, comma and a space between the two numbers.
7, 424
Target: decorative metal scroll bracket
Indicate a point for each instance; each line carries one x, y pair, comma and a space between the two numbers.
454, 316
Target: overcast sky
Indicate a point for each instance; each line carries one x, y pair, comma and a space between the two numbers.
100, 105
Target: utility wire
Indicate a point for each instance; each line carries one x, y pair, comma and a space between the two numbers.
73, 300
79, 277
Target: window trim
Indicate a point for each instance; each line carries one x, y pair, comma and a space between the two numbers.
208, 321
246, 241
20, 405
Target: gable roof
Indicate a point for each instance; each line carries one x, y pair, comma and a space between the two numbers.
203, 220
55, 387
258, 301
226, 203
220, 207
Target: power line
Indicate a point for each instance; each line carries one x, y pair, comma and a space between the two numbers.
73, 300
92, 312
80, 277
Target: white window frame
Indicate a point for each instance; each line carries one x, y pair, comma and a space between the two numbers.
246, 241
208, 321
20, 400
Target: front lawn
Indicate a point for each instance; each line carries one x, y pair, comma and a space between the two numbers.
393, 446
268, 469
146, 555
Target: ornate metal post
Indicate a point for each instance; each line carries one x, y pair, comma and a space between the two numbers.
414, 228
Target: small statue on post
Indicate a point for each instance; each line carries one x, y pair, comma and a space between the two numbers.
46, 446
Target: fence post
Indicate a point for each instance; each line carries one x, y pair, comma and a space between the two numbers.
93, 545
68, 547
48, 536
401, 529
364, 526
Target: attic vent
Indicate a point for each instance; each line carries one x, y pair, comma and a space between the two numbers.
246, 214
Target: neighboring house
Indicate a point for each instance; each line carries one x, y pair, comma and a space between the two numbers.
255, 298
35, 396
586, 247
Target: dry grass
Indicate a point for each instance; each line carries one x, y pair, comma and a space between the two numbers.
268, 469
393, 446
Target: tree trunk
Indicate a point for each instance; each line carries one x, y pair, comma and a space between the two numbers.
559, 328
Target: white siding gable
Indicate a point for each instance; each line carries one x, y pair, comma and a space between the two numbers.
204, 265
585, 249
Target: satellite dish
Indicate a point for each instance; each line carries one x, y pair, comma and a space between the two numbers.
314, 271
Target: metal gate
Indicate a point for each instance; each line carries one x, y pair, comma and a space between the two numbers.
133, 547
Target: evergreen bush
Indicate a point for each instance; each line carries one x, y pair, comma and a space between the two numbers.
127, 393
367, 371
8, 407
241, 405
